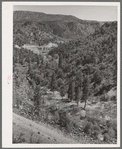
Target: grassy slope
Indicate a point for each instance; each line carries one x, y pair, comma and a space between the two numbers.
42, 132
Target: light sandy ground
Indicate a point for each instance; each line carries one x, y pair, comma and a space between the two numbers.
46, 134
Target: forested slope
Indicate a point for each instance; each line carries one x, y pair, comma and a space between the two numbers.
40, 28
84, 69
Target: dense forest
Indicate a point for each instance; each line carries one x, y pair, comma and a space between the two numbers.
83, 68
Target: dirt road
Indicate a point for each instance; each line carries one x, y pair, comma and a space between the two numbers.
42, 132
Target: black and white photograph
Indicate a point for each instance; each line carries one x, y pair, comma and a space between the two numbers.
63, 73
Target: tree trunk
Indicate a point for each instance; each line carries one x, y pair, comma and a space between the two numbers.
85, 104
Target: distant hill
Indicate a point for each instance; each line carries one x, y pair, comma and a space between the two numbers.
40, 27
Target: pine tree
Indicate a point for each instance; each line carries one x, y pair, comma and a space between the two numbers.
60, 60
71, 91
62, 90
37, 99
29, 61
38, 60
53, 84
78, 86
85, 89
78, 94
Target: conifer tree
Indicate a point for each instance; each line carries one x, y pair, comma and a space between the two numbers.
78, 86
37, 99
60, 60
38, 60
62, 90
85, 89
53, 84
78, 93
29, 61
71, 91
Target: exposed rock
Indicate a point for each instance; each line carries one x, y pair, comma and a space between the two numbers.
100, 137
107, 117
82, 113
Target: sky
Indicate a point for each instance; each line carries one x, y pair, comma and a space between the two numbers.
98, 13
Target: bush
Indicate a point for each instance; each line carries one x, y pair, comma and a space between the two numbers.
56, 117
49, 97
102, 122
53, 108
113, 98
114, 126
69, 125
63, 118
111, 128
111, 132
109, 123
65, 121
92, 120
95, 131
88, 128
106, 137
104, 98
19, 139
32, 140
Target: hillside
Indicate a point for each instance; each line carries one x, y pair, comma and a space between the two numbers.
73, 86
40, 28
96, 56
39, 132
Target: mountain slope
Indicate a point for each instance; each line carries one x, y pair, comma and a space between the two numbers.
83, 69
53, 27
45, 134
96, 56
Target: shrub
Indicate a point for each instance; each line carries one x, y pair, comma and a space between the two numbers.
92, 120
111, 132
95, 131
106, 137
45, 114
49, 97
113, 98
69, 125
65, 121
102, 122
53, 108
104, 98
32, 140
63, 118
114, 126
88, 128
19, 139
109, 123
56, 117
